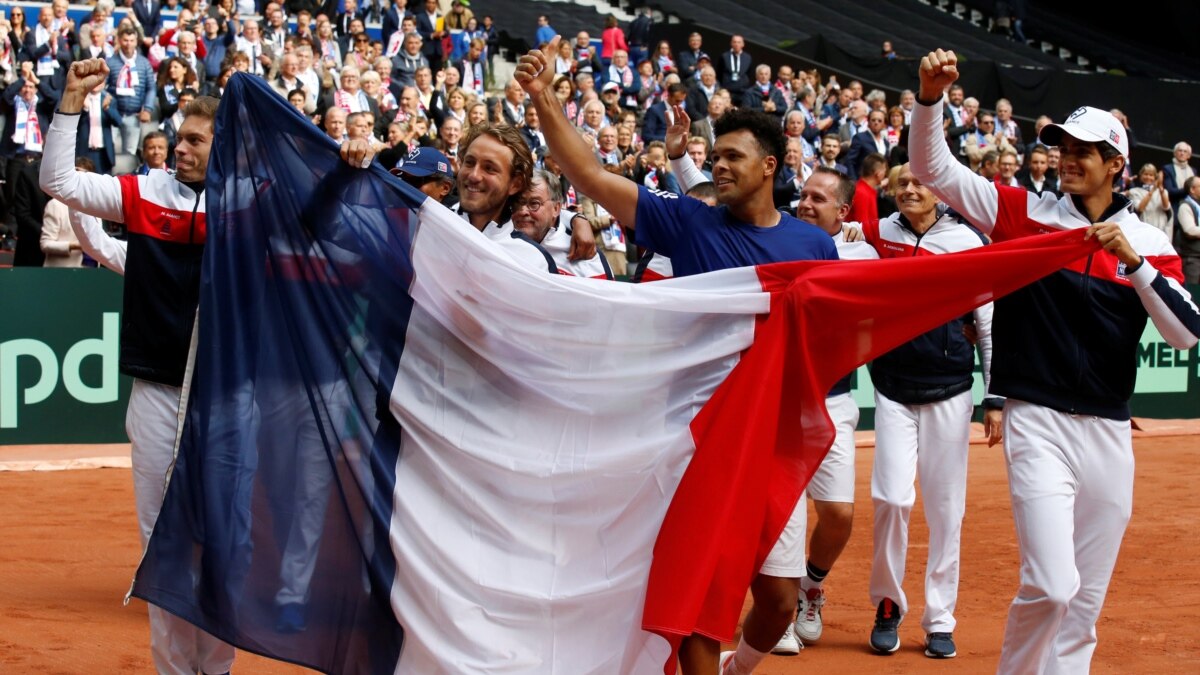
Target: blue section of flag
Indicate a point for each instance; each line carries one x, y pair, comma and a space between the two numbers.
273, 535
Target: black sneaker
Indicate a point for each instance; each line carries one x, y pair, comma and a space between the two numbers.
940, 646
885, 637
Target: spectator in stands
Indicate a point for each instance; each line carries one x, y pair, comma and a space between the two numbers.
449, 135
794, 127
92, 45
836, 108
1150, 200
94, 141
664, 60
457, 102
174, 76
791, 178
610, 96
658, 117
348, 15
638, 35
688, 59
513, 106
907, 100
607, 150
492, 37
698, 149
865, 207
532, 130
621, 74
831, 147
216, 38
30, 103
701, 90
432, 101
288, 79
1008, 165
735, 69
957, 122
1006, 125
544, 33
586, 60
876, 100
335, 124
650, 85
593, 118
409, 60
1177, 171
854, 124
705, 127
989, 166
895, 129
251, 44
48, 50
372, 86
431, 34
564, 90
983, 139
171, 125
1189, 225
58, 241
459, 17
762, 96
1036, 178
871, 141
131, 82
564, 62
156, 153
276, 31
887, 52
611, 40
361, 55
328, 47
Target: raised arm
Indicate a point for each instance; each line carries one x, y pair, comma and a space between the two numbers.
535, 73
90, 193
974, 196
681, 165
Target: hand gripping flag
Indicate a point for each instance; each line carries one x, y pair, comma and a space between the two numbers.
404, 453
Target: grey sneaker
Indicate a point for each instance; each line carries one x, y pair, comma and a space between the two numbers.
940, 646
885, 636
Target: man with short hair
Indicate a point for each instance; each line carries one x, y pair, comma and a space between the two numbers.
763, 96
1008, 168
1036, 179
427, 26
697, 150
735, 68
48, 49
545, 32
854, 124
702, 89
745, 230
989, 165
131, 81
538, 214
251, 44
410, 59
705, 127
831, 147
164, 215
513, 106
865, 207
1189, 230
586, 60
154, 152
873, 140
335, 123
1067, 431
687, 59
531, 131
658, 116
1177, 171
627, 81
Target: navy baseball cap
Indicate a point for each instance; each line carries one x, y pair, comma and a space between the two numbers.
422, 162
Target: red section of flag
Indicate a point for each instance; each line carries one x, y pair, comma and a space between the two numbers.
765, 431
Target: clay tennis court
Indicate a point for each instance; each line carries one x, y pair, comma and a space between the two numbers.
70, 549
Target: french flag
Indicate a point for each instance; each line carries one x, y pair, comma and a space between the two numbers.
404, 453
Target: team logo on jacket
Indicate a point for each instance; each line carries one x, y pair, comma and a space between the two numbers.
1121, 270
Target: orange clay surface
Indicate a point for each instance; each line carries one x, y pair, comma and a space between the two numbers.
68, 548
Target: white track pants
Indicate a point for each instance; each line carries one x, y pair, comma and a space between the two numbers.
151, 422
1071, 480
928, 442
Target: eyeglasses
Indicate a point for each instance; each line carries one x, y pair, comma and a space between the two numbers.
985, 122
532, 205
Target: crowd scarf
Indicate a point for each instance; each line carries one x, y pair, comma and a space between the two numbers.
1195, 206
472, 76
6, 54
328, 50
893, 137
95, 109
1010, 129
351, 103
571, 110
386, 101
809, 120
395, 42
42, 36
28, 132
125, 77
666, 64
613, 157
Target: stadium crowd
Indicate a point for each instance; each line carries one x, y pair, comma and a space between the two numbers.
429, 79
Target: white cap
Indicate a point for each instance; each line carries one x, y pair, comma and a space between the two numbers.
1091, 125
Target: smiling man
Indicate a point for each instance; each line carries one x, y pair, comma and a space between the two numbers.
744, 229
164, 215
1065, 358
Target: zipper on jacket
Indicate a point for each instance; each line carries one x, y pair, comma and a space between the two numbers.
1087, 292
195, 208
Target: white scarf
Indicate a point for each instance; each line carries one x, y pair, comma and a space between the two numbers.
95, 108
28, 132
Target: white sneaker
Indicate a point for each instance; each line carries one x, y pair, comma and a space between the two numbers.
726, 657
788, 645
808, 618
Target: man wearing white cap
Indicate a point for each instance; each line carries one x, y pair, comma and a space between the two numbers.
1064, 355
